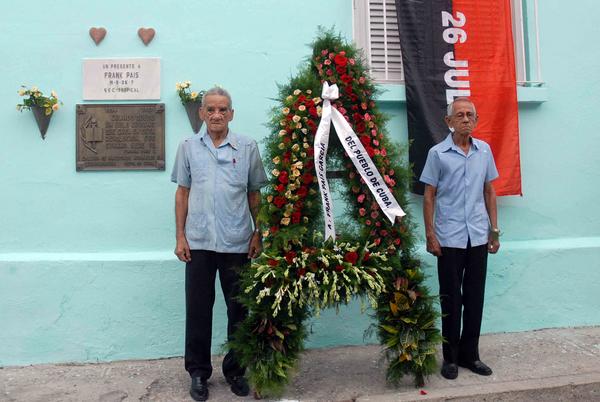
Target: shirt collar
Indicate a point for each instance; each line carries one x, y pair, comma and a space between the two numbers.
449, 144
231, 140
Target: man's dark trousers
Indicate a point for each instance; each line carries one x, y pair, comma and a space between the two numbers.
461, 273
200, 274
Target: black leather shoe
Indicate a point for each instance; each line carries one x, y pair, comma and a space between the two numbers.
449, 370
476, 366
199, 389
239, 385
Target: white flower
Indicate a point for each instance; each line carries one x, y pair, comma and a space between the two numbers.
275, 172
285, 110
178, 86
296, 118
297, 92
302, 108
194, 95
21, 92
53, 94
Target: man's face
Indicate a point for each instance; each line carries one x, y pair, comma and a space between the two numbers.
463, 119
217, 113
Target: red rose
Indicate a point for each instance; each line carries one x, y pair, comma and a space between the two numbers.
339, 268
366, 141
309, 164
279, 201
360, 127
307, 178
357, 117
302, 192
283, 177
280, 188
289, 256
370, 151
313, 112
346, 78
340, 60
274, 229
273, 263
366, 256
351, 257
296, 217
301, 272
301, 98
340, 69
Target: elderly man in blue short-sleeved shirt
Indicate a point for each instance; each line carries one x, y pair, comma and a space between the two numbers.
219, 175
458, 192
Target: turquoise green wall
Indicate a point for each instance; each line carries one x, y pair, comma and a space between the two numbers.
86, 265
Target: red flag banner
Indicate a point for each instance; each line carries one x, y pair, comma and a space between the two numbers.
453, 48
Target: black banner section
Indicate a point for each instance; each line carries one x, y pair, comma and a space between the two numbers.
423, 49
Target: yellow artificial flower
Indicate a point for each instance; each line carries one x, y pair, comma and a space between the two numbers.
21, 92
53, 94
297, 92
275, 172
295, 172
295, 147
296, 118
276, 160
281, 146
282, 133
194, 95
298, 125
294, 136
305, 145
286, 110
55, 107
289, 98
285, 221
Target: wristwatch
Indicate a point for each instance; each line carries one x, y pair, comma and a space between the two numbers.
495, 233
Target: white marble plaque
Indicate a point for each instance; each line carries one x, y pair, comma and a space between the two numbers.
121, 79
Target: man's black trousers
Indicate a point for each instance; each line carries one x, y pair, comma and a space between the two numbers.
200, 274
461, 273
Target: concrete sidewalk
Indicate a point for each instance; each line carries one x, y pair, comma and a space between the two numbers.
545, 365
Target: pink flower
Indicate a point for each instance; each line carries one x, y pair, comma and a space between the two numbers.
361, 80
374, 214
361, 198
327, 62
391, 172
324, 52
374, 133
377, 223
368, 223
383, 152
329, 72
376, 143
367, 117
351, 61
362, 212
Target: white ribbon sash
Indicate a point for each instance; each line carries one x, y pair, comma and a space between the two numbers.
359, 157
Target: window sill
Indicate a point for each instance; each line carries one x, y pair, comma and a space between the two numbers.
391, 93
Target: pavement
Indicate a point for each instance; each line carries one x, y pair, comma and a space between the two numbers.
544, 365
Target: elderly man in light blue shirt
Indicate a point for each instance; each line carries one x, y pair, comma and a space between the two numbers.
458, 192
219, 175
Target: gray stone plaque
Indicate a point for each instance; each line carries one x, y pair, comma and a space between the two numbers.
121, 137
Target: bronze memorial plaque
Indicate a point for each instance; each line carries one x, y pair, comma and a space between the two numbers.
121, 137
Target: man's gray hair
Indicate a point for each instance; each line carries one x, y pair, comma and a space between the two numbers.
450, 108
218, 91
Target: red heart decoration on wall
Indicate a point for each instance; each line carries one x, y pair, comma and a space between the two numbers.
146, 34
97, 34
